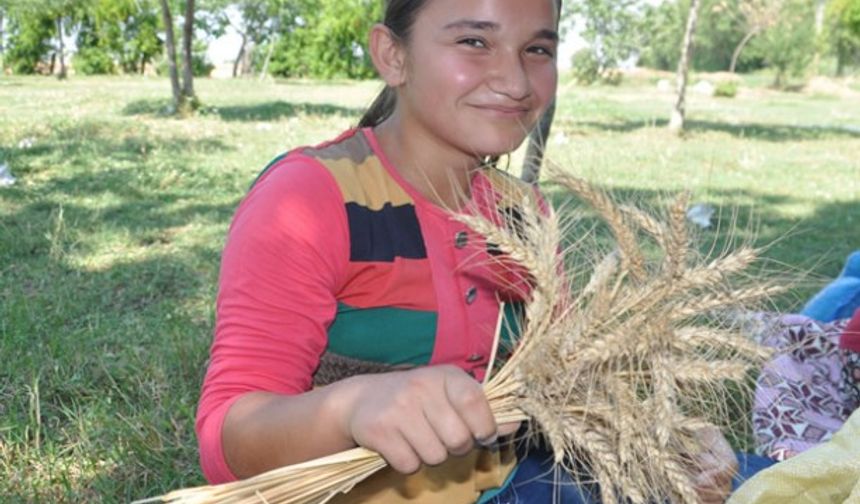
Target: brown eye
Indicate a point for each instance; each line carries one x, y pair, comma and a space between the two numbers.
540, 50
473, 42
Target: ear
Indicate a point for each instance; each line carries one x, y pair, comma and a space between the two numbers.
388, 55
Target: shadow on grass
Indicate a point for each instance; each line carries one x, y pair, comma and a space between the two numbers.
113, 344
268, 111
108, 180
757, 131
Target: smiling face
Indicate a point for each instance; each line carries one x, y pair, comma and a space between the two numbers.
479, 73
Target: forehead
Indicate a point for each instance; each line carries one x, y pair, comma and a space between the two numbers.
505, 14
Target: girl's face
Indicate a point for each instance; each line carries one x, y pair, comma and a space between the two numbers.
479, 73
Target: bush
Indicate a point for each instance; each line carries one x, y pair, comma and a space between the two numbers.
611, 77
93, 61
726, 89
200, 65
585, 67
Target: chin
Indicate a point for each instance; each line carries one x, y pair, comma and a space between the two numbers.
498, 144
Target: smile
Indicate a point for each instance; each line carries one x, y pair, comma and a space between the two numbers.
503, 111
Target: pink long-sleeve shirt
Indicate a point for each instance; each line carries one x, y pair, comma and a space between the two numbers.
335, 264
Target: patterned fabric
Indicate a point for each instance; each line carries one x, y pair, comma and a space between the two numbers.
851, 376
802, 396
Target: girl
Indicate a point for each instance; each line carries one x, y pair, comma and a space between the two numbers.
342, 269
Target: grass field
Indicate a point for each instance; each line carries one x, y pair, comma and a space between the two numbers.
110, 240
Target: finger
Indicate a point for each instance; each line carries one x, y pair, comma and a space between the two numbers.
506, 429
449, 427
467, 398
398, 453
712, 486
424, 442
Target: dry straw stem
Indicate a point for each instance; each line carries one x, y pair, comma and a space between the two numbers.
616, 376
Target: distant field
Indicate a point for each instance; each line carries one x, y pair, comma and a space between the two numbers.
110, 240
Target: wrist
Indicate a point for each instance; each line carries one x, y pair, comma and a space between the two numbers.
343, 397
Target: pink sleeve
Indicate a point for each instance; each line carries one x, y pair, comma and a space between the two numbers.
285, 253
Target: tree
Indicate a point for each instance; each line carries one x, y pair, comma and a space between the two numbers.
612, 28
843, 25
188, 54
258, 20
758, 16
789, 45
325, 39
140, 33
676, 123
29, 41
2, 32
184, 100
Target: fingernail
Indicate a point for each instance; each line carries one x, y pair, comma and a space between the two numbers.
490, 441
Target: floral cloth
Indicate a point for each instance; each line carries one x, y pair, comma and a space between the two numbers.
808, 390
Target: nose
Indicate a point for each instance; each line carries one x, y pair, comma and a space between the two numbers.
509, 76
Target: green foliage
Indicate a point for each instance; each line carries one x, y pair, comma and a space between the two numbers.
200, 64
29, 42
93, 61
142, 44
108, 33
789, 46
585, 67
718, 31
726, 89
843, 24
661, 45
329, 41
612, 28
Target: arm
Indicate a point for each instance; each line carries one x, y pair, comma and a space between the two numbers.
280, 270
410, 418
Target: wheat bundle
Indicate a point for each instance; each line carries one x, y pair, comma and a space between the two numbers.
615, 372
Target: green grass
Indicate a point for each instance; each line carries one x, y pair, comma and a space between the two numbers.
110, 240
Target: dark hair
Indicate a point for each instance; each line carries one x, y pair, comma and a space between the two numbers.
399, 17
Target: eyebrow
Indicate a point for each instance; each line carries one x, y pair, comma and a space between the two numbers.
474, 24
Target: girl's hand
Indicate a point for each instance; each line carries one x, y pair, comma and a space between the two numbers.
717, 465
418, 416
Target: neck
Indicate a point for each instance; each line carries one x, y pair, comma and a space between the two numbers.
441, 174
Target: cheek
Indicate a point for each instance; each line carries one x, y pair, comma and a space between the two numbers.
544, 82
451, 74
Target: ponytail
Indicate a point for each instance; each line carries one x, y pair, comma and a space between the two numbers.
380, 110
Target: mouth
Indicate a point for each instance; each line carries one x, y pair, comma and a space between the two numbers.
504, 111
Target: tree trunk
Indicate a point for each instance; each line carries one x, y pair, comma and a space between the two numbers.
62, 48
537, 146
2, 34
170, 47
841, 58
265, 69
240, 55
819, 30
676, 123
740, 47
187, 52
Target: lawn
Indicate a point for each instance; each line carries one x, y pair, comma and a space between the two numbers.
110, 239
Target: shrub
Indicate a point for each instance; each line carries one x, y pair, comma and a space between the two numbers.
585, 66
93, 61
611, 77
726, 89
